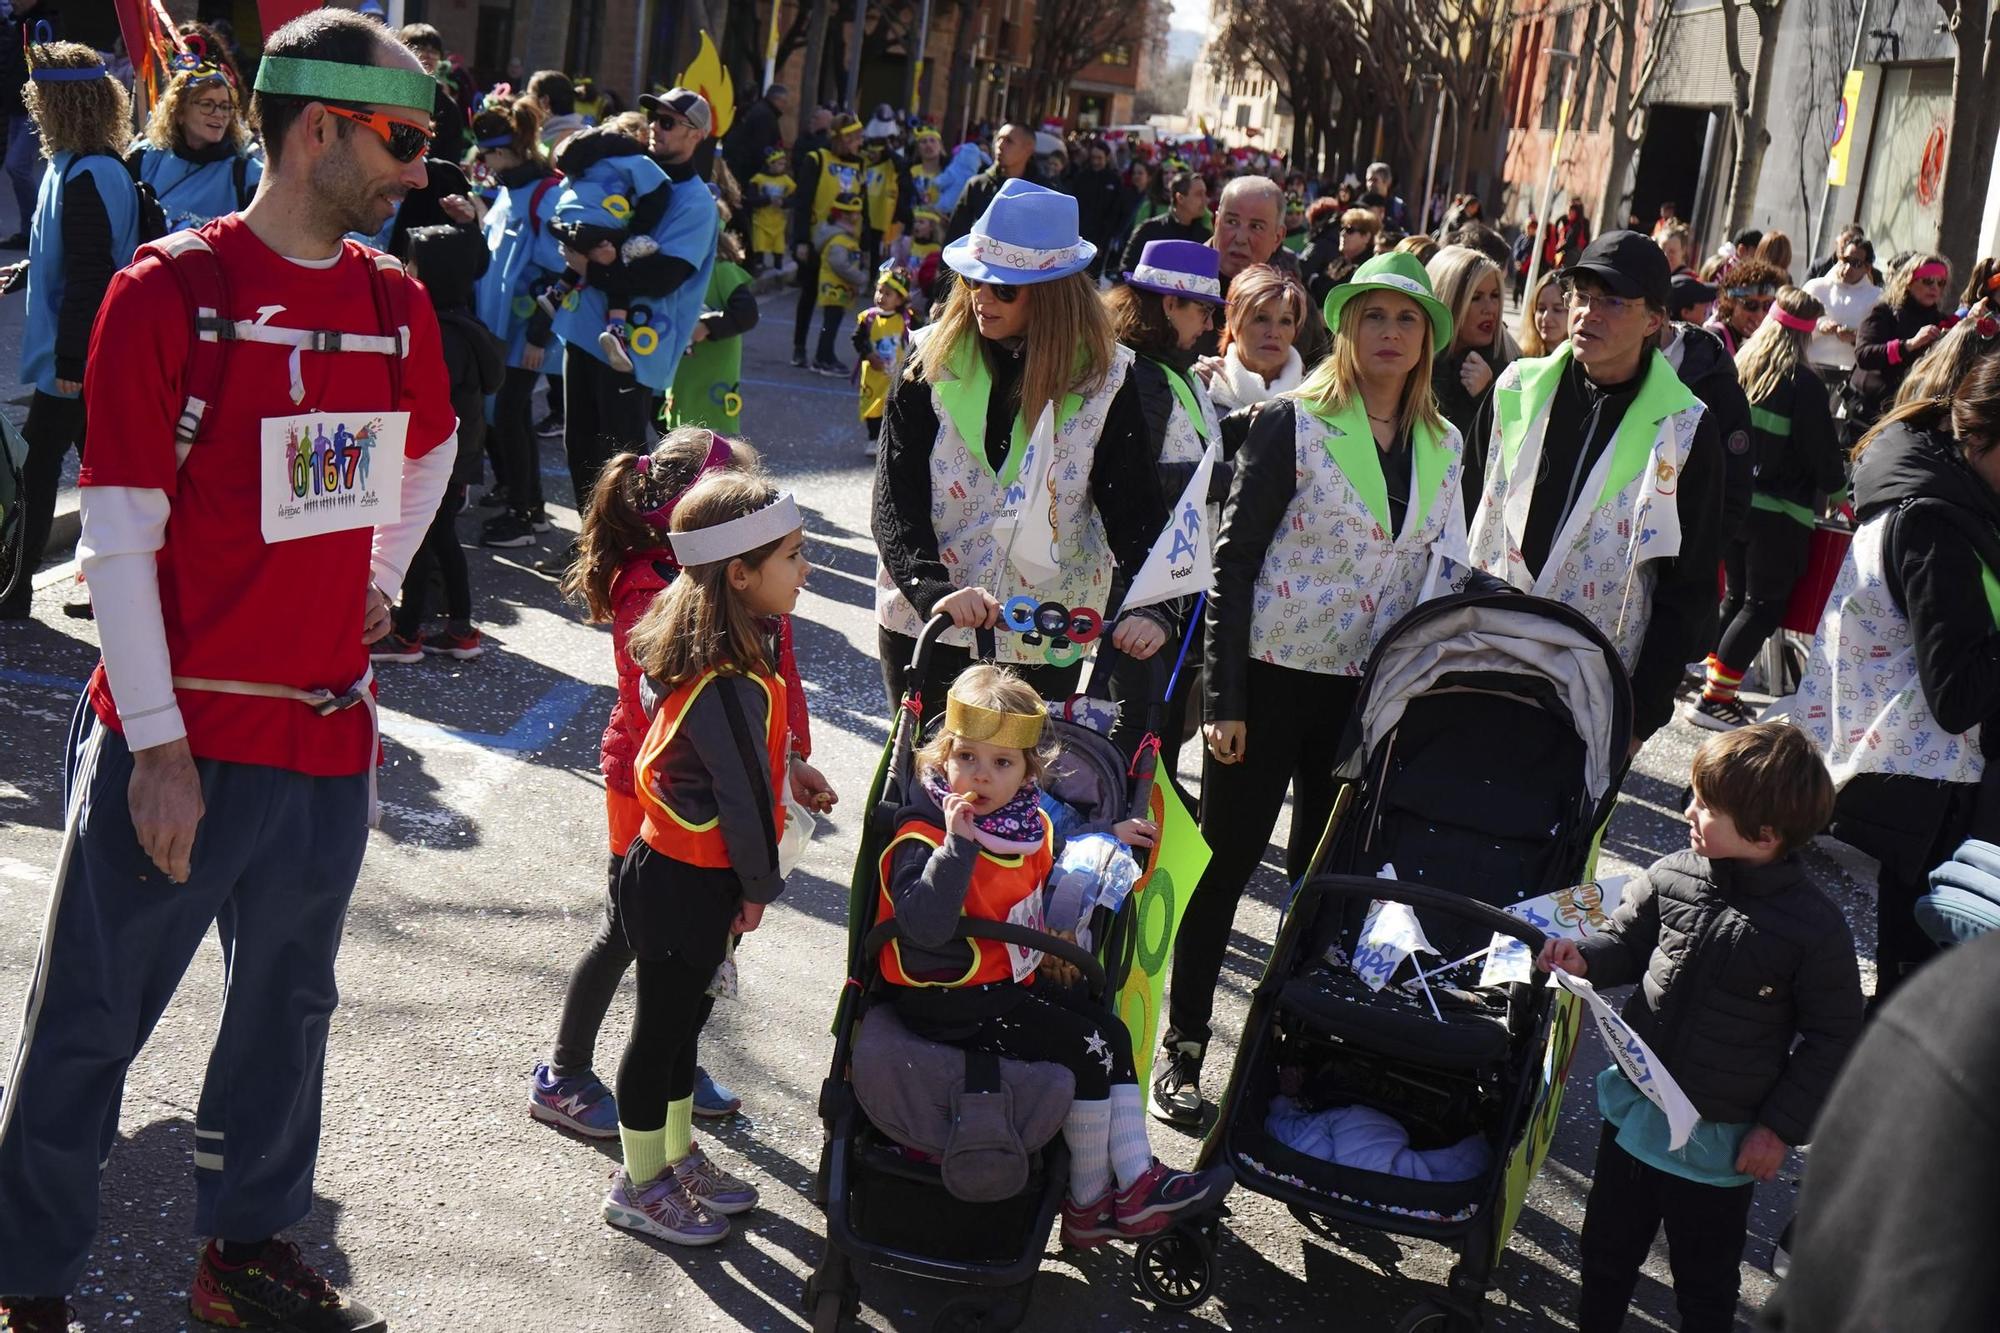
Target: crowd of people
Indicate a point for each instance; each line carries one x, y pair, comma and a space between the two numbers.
1371, 433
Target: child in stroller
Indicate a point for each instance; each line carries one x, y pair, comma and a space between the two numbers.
972, 840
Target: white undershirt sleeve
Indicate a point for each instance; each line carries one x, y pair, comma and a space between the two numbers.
424, 482
124, 528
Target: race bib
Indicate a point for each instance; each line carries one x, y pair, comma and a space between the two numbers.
1027, 912
331, 472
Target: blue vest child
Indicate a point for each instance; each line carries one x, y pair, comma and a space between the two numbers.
525, 254
193, 193
47, 270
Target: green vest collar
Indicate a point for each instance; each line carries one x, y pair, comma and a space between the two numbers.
1184, 394
1661, 395
965, 397
1351, 445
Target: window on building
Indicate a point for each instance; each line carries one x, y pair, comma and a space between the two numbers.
1529, 55
1242, 115
1558, 70
1121, 54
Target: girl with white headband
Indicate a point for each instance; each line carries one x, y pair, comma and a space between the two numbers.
710, 785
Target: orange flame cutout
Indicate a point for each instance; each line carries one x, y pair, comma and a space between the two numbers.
707, 76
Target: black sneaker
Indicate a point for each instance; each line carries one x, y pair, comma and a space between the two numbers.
507, 530
799, 359
1177, 1085
540, 521
550, 425
830, 366
277, 1290
1721, 714
36, 1314
496, 497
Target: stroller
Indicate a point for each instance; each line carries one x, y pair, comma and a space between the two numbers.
1485, 752
886, 1201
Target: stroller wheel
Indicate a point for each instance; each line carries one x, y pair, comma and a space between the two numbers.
981, 1314
828, 1313
1312, 1221
1175, 1269
1432, 1317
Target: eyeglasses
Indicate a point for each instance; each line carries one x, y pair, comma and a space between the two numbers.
1579, 298
1756, 305
668, 121
1003, 292
406, 140
212, 107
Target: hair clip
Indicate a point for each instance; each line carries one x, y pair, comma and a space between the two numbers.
644, 465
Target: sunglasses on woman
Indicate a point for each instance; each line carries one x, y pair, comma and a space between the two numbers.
406, 140
1004, 293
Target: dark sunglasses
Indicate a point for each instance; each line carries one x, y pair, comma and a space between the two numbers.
668, 121
406, 140
1003, 292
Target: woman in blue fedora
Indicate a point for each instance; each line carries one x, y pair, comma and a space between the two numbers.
1167, 302
1345, 493
1024, 327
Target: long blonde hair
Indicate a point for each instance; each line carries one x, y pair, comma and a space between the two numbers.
1898, 289
1456, 272
1527, 335
700, 623
1953, 357
1336, 381
163, 127
1774, 353
1068, 346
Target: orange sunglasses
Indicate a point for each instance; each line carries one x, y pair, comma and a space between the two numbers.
406, 140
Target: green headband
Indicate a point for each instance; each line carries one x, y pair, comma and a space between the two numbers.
329, 80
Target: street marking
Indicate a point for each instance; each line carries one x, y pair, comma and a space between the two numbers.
531, 731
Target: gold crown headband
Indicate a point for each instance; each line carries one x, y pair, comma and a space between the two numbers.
970, 721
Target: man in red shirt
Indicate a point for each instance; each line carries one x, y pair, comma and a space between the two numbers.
245, 534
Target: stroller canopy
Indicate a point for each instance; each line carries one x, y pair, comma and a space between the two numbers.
1502, 642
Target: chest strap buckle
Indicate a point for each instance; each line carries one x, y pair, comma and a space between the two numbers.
324, 340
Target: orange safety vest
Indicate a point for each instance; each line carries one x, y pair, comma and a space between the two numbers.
665, 830
1000, 885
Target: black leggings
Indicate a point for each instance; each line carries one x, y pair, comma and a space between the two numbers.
802, 316
518, 462
604, 413
440, 551
658, 1068
835, 317
1062, 1026
1292, 737
1760, 569
591, 985
54, 426
945, 665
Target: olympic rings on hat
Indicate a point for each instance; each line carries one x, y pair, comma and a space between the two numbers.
644, 341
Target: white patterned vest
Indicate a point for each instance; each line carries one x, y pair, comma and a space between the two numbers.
1333, 579
1182, 442
1861, 701
1598, 562
966, 495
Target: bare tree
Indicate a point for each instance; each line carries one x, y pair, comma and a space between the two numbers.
1070, 34
1631, 39
1975, 122
1750, 101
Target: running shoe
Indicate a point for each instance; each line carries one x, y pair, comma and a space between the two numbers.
507, 530
550, 426
539, 520
1721, 714
712, 1187
394, 647
1085, 1226
711, 1099
612, 343
830, 366
1177, 1085
580, 1103
664, 1209
276, 1290
464, 644
1151, 1203
799, 359
36, 1314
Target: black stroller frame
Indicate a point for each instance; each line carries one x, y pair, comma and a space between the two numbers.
1174, 1268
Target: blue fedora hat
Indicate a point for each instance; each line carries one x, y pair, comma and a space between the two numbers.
1179, 268
1028, 234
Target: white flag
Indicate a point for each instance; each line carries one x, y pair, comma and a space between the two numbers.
1571, 914
1026, 524
1181, 562
1638, 1061
1390, 934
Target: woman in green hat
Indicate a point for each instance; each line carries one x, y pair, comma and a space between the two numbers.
1344, 503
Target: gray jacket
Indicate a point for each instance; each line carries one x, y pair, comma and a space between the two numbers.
1750, 992
702, 775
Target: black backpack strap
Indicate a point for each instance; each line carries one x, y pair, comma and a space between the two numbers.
982, 1071
760, 781
239, 176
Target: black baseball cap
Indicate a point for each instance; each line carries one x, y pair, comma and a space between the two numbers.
1686, 289
1628, 263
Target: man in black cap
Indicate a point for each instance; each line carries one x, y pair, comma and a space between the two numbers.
1604, 481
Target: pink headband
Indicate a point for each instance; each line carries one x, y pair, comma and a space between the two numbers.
719, 454
1797, 323
1938, 271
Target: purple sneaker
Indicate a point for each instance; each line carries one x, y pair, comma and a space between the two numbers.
712, 1187
580, 1103
662, 1208
1154, 1200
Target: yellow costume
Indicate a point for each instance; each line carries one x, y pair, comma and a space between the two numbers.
772, 196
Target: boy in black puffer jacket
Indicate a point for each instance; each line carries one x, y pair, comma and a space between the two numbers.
1750, 997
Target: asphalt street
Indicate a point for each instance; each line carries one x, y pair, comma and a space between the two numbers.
443, 1204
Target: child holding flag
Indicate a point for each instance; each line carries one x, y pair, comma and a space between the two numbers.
1749, 997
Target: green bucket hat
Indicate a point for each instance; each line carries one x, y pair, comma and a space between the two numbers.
1394, 272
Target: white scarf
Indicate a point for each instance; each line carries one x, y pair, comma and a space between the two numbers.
1236, 385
